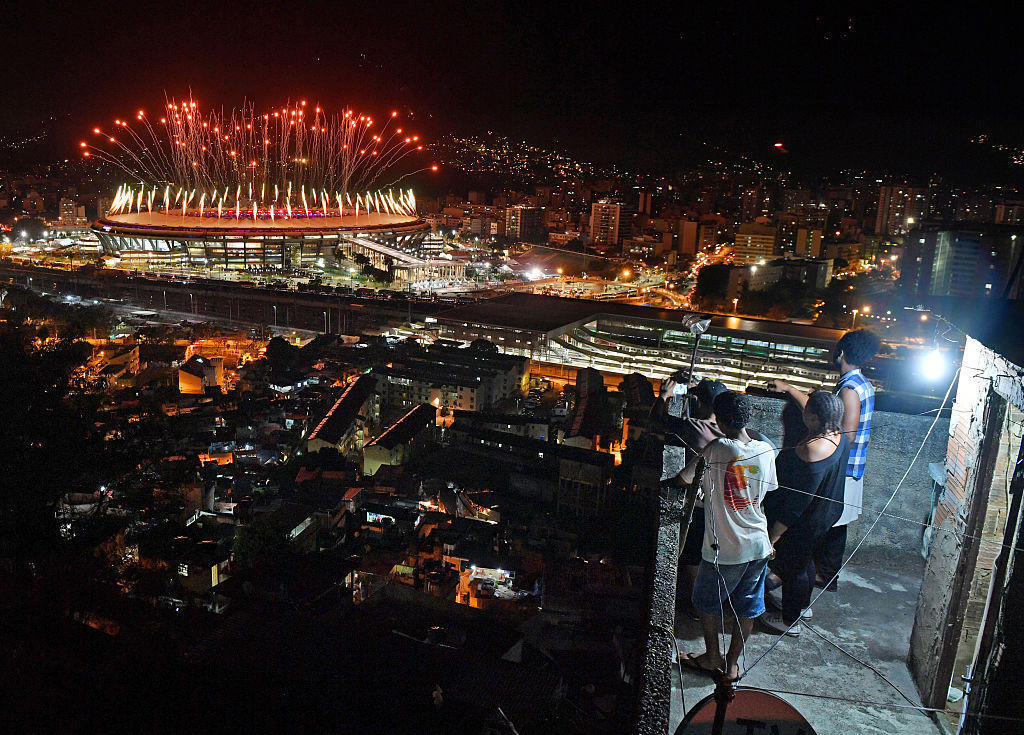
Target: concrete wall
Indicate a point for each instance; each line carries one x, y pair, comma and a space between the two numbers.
895, 438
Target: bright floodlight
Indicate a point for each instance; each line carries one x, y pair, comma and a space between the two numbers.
933, 365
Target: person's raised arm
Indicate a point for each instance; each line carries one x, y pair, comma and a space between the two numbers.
781, 386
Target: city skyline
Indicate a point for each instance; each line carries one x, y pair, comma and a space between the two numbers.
510, 369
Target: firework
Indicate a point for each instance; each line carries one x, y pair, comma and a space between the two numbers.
245, 162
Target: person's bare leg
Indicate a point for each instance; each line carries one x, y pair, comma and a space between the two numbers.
732, 656
711, 624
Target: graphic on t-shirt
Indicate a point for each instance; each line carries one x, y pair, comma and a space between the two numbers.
736, 485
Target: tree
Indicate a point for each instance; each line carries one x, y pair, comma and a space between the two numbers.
483, 346
49, 443
782, 300
360, 259
712, 284
376, 274
257, 539
280, 353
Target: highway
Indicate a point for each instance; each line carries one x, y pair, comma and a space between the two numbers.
242, 304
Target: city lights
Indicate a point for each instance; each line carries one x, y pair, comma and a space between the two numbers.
399, 416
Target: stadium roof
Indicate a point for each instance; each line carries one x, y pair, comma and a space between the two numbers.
155, 222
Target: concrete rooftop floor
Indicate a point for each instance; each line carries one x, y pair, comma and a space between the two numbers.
870, 616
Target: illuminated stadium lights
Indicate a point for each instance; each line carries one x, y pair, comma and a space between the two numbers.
283, 188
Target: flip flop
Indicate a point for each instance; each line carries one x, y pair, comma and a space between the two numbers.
692, 662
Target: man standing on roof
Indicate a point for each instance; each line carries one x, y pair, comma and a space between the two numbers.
852, 352
734, 554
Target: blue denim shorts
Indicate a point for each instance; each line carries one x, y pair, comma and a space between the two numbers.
742, 584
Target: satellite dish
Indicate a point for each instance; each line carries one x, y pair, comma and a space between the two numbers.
751, 710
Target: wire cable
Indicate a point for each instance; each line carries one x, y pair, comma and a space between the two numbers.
867, 534
891, 705
880, 675
862, 508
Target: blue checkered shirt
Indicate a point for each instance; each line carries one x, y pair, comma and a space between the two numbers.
855, 380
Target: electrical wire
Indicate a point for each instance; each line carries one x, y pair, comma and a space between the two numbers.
867, 534
880, 675
891, 705
862, 508
679, 665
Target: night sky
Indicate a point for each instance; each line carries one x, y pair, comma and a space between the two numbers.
896, 88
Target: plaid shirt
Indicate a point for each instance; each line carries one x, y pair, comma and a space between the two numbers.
855, 381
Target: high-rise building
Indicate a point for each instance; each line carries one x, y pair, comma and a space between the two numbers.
1010, 213
644, 206
604, 223
754, 202
68, 210
754, 243
707, 237
687, 244
899, 208
525, 224
102, 206
808, 243
967, 262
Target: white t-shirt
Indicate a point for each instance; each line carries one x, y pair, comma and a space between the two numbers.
738, 477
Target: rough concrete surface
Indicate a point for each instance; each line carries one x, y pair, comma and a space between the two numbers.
871, 617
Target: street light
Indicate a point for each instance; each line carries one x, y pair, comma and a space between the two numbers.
855, 313
734, 303
274, 307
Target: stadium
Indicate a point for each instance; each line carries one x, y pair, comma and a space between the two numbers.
151, 240
280, 190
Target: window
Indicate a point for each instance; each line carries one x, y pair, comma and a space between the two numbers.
183, 570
